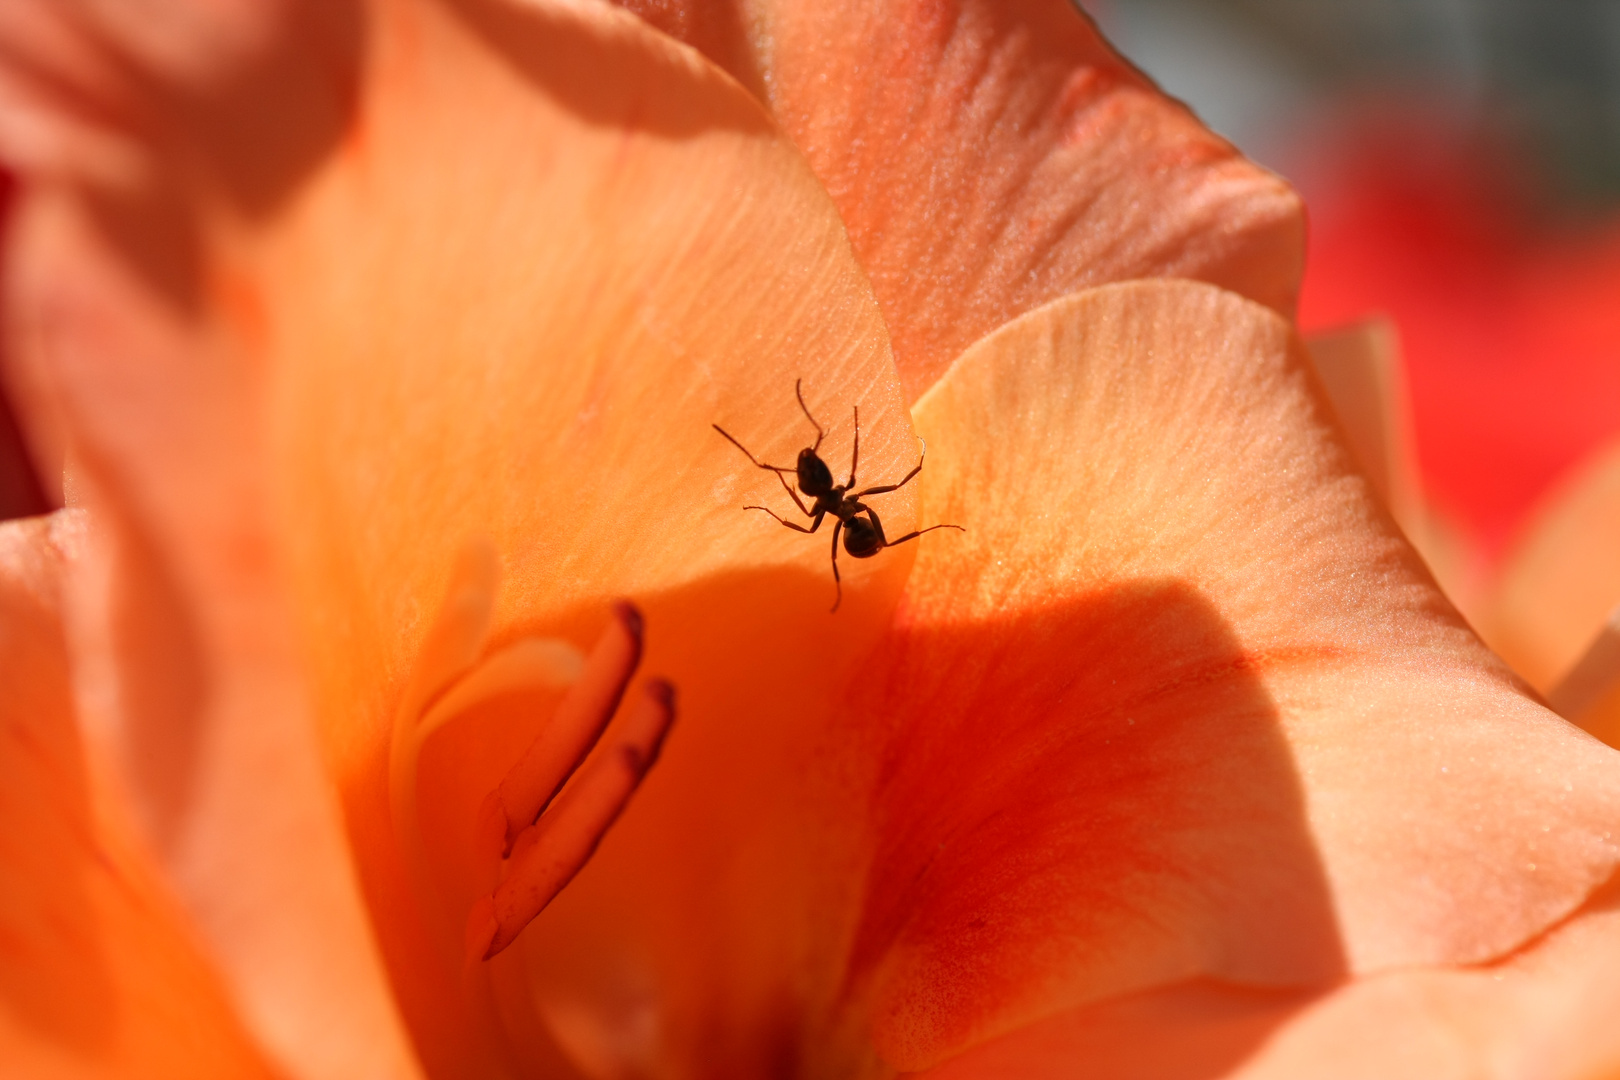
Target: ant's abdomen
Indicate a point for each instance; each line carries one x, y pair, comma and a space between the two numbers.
861, 540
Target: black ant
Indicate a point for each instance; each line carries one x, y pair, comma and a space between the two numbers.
863, 537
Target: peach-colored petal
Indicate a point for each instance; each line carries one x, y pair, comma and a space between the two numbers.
99, 975
1589, 695
501, 288
988, 156
1177, 702
478, 331
185, 663
1193, 1031
1360, 370
189, 677
1561, 579
1545, 1013
505, 270
506, 267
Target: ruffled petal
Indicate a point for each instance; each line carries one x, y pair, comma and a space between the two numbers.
988, 157
517, 302
99, 973
495, 277
516, 263
1546, 1012
181, 637
1360, 371
1181, 704
1560, 581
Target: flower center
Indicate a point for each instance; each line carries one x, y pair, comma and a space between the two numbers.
542, 822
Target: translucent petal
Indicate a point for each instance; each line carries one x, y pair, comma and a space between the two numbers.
988, 156
1216, 719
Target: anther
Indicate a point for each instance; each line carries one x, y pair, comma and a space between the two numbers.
547, 854
573, 729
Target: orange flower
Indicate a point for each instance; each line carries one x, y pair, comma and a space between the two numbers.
384, 340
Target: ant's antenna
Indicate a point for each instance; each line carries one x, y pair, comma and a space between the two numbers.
799, 393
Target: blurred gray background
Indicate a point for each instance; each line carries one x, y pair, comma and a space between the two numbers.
1542, 74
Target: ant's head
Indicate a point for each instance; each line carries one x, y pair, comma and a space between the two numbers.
815, 479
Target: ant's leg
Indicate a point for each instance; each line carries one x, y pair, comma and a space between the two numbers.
877, 523
855, 457
800, 395
814, 524
886, 488
777, 469
794, 495
838, 584
919, 532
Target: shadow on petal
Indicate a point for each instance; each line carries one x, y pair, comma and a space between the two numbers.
859, 847
1090, 799
707, 935
189, 78
163, 684
1199, 1031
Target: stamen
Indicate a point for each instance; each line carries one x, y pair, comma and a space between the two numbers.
550, 836
547, 854
578, 723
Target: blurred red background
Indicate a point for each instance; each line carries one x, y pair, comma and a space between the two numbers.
1508, 315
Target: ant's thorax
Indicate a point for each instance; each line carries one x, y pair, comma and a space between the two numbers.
839, 505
